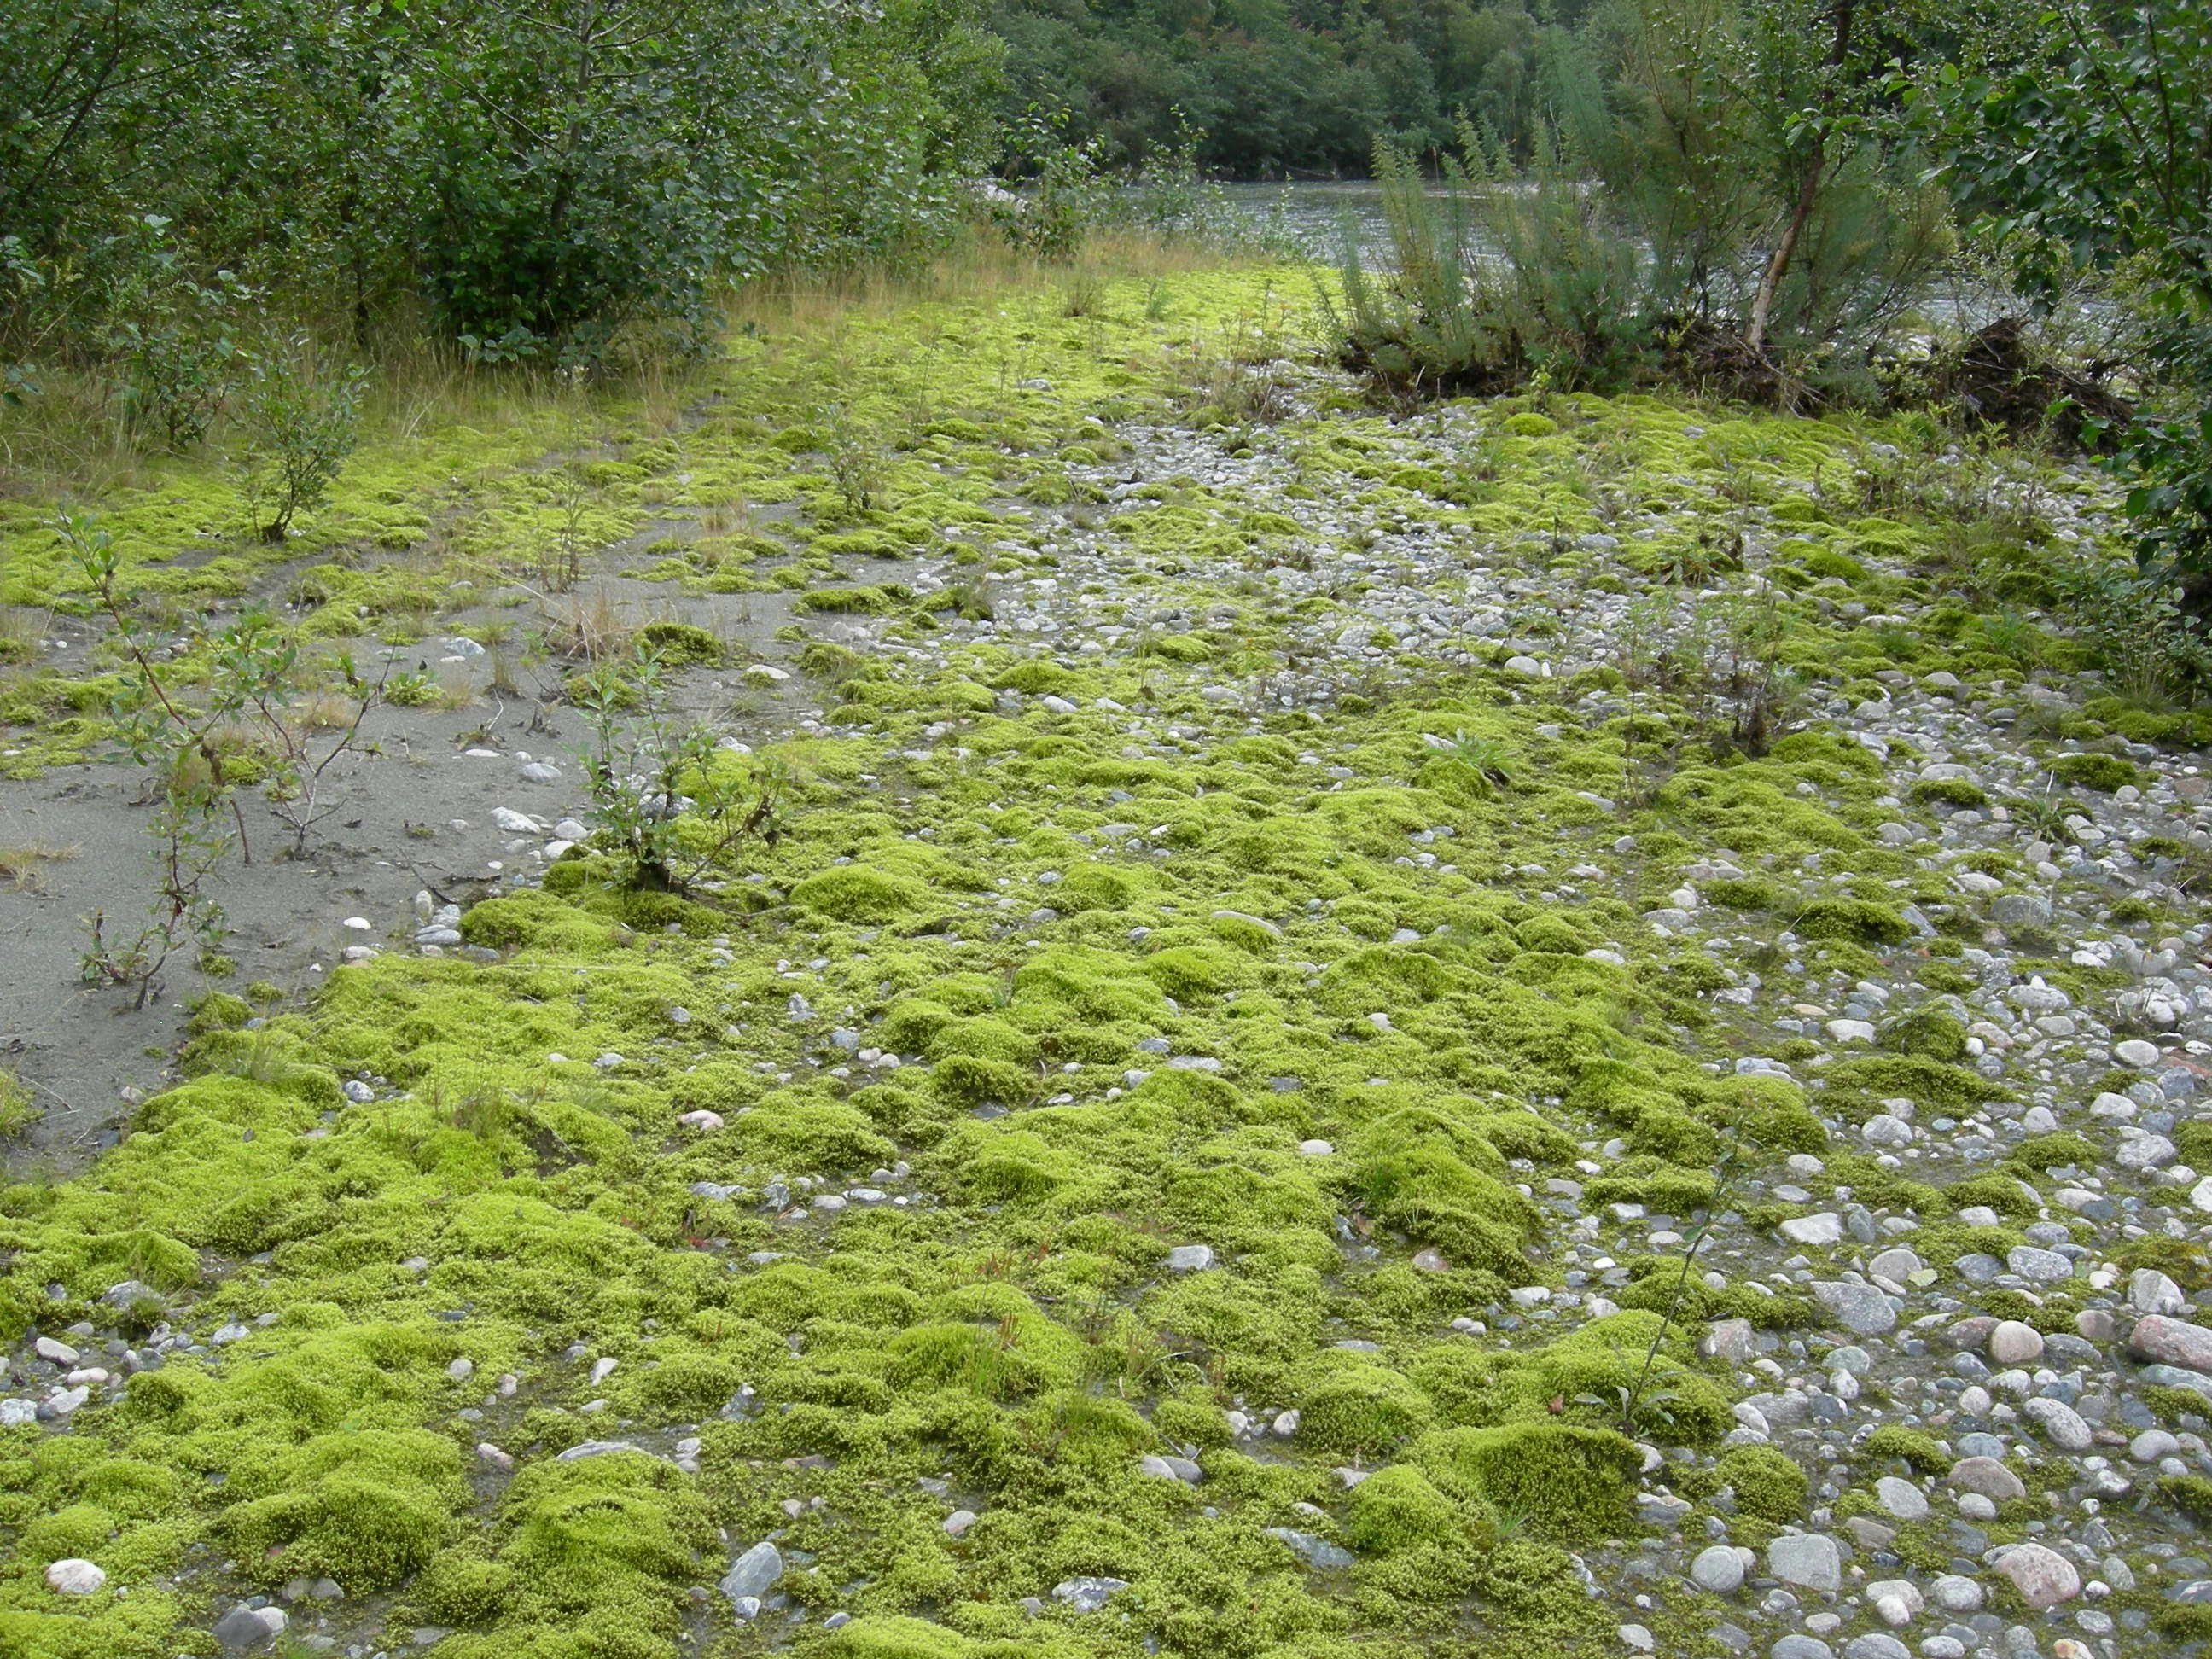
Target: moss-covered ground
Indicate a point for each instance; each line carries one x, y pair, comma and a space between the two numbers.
1209, 1086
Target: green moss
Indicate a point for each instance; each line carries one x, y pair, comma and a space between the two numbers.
1352, 1406
2000, 1193
2102, 772
1397, 1509
1918, 1449
680, 644
1930, 1084
854, 893
217, 1010
1926, 1031
2051, 1151
461, 1587
1748, 893
610, 1529
1572, 1483
895, 1636
1011, 1326
366, 1509
1856, 921
1768, 1485
1947, 791
1550, 931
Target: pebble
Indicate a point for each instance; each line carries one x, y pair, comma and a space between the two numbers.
2171, 1342
1314, 1550
754, 1573
1988, 1477
1860, 1309
1956, 1593
1815, 1230
244, 1628
2062, 1423
1088, 1593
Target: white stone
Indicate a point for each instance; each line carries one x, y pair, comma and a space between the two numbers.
74, 1576
755, 1572
1825, 1227
1903, 1592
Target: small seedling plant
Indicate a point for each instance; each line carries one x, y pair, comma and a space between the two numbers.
673, 801
1638, 1397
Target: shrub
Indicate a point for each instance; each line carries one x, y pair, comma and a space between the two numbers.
301, 419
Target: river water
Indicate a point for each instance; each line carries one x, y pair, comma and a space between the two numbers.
1318, 214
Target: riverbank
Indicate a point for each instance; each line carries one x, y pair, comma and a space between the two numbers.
1187, 1138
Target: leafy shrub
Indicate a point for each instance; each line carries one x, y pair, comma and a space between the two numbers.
301, 421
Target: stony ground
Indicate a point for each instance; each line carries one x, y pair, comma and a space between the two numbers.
1562, 1023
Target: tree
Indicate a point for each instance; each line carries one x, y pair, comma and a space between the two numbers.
2095, 154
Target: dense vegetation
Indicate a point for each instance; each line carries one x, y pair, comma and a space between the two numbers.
212, 209
1303, 87
537, 174
1757, 199
1282, 86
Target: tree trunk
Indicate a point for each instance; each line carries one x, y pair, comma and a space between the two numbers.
1808, 193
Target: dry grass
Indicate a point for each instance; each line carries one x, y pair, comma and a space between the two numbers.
975, 268
22, 627
723, 517
591, 628
324, 711
23, 863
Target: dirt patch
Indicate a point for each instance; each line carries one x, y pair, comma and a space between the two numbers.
415, 810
